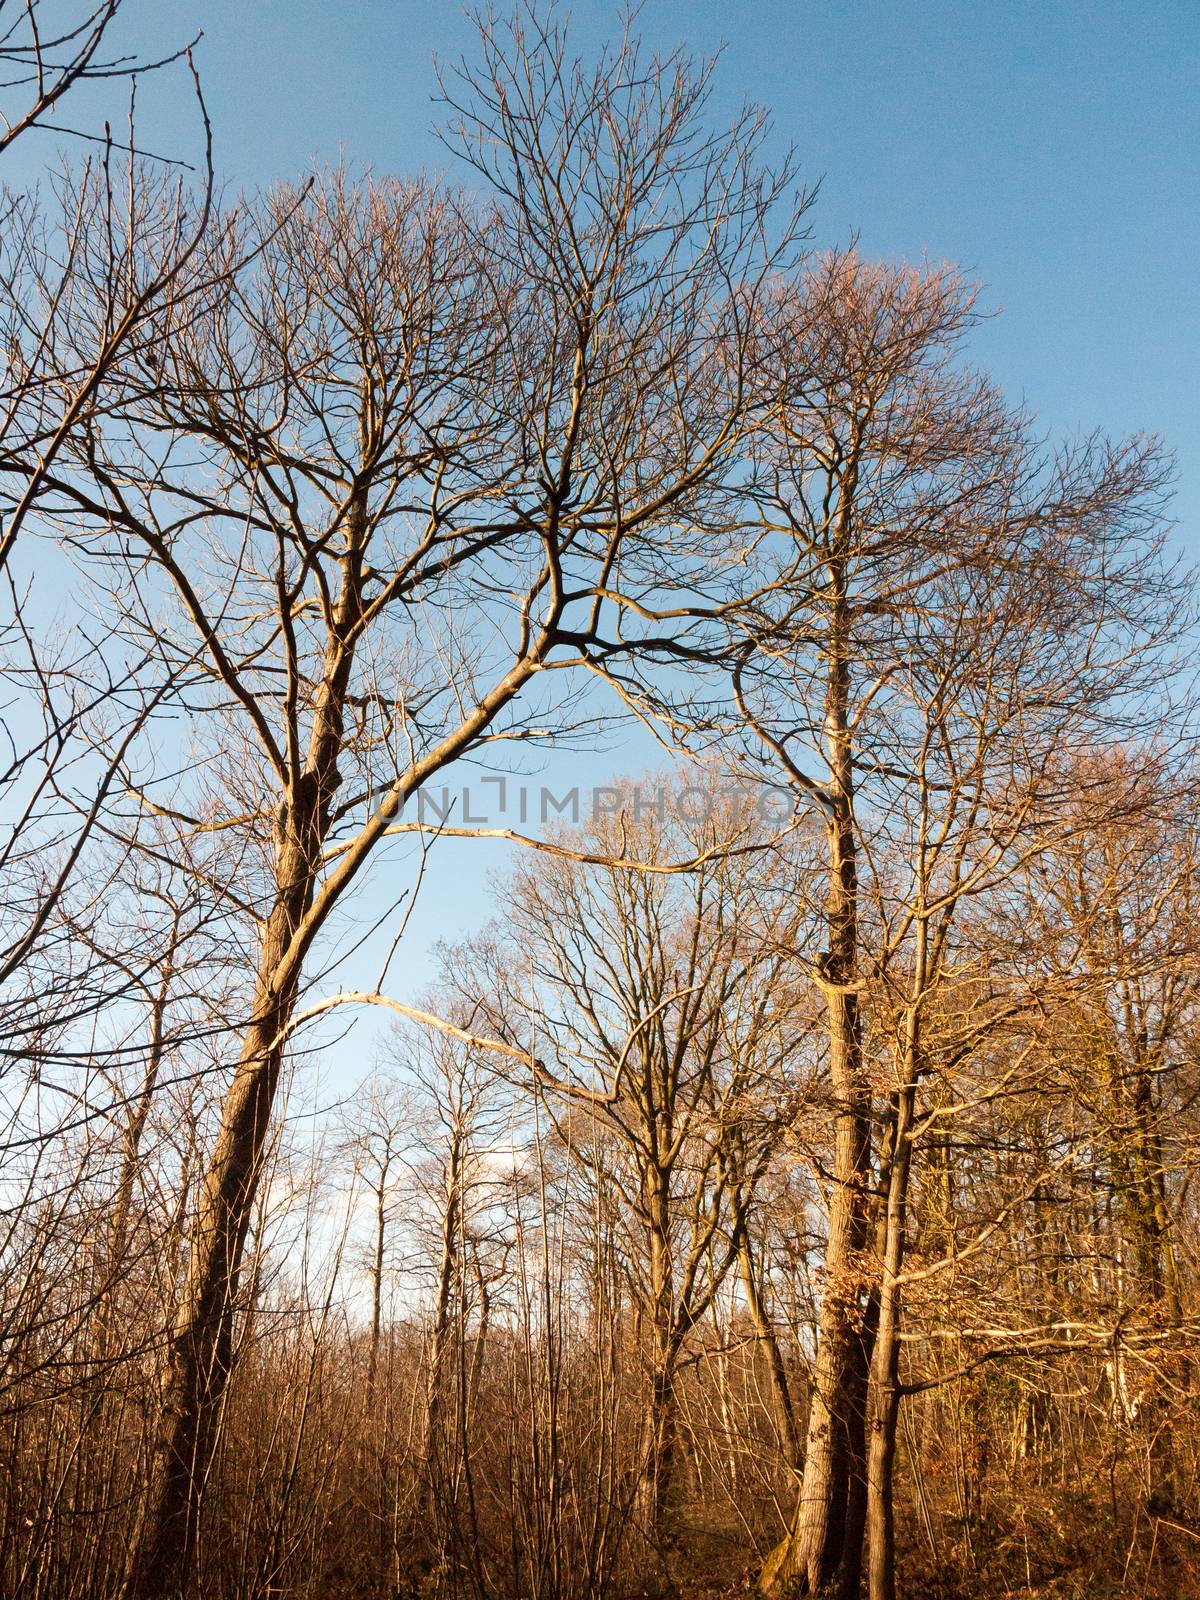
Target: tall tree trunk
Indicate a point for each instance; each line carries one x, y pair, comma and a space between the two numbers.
661, 1419
1135, 1161
202, 1342
448, 1267
118, 1235
767, 1338
663, 1440
823, 1549
885, 1360
377, 1283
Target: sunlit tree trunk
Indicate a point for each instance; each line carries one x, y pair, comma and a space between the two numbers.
201, 1348
884, 1411
823, 1550
765, 1331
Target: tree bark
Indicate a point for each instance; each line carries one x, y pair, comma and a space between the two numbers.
201, 1346
823, 1549
661, 1421
767, 1337
885, 1360
202, 1342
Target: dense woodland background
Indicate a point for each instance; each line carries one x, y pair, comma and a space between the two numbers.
793, 1186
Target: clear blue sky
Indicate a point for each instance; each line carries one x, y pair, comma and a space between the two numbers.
1050, 146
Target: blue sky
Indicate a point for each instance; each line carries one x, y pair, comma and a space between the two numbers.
1051, 147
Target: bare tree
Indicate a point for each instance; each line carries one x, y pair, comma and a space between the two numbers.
659, 1008
380, 482
78, 278
890, 470
47, 50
